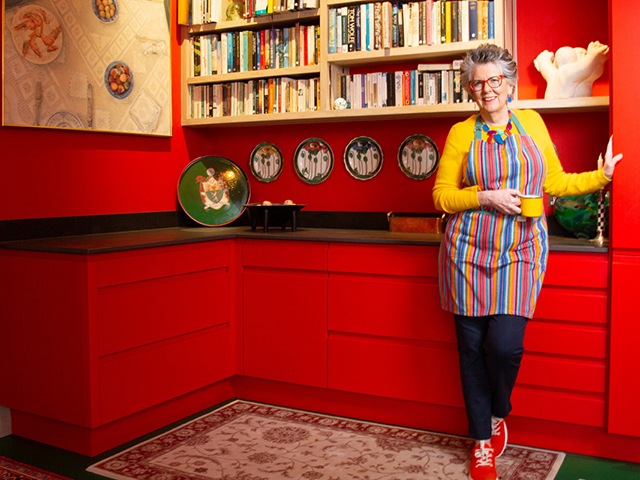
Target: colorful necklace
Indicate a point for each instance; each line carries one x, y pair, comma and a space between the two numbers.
496, 134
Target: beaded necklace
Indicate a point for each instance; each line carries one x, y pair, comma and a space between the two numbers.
497, 133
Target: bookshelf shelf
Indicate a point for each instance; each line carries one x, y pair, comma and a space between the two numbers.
398, 54
308, 70
275, 19
586, 104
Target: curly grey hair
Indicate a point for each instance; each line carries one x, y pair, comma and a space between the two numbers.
488, 53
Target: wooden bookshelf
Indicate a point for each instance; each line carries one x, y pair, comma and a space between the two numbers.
329, 64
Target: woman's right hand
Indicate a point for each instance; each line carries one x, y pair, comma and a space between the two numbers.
505, 201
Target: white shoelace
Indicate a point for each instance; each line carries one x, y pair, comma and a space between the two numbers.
496, 423
484, 456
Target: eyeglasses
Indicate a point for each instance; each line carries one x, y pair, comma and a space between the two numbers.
493, 82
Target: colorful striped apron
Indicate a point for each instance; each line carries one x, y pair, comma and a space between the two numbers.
492, 263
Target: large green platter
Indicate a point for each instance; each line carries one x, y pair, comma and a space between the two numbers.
213, 190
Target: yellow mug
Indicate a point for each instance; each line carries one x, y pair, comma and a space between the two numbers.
531, 205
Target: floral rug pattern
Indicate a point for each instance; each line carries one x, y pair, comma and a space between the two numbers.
12, 470
248, 441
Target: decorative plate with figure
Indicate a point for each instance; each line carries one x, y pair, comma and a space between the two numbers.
363, 158
213, 190
266, 162
418, 157
313, 161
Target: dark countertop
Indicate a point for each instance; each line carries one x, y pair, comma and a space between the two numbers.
137, 239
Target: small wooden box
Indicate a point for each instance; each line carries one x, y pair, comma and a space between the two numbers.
415, 222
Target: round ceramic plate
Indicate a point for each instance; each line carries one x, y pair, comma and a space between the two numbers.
64, 120
313, 161
418, 157
104, 19
363, 158
266, 162
36, 34
118, 65
213, 191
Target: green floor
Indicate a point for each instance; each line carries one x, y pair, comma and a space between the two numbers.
73, 465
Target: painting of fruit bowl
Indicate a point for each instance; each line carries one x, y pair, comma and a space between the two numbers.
118, 79
105, 10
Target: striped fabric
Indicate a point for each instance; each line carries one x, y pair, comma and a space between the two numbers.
491, 263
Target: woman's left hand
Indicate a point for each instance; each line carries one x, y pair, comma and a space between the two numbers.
609, 160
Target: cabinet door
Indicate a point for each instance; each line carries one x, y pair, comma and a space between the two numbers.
285, 313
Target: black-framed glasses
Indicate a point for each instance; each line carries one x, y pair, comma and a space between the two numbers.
493, 82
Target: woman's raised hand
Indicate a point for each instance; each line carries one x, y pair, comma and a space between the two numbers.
506, 201
609, 160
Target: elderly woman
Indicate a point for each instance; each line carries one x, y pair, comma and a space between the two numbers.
492, 260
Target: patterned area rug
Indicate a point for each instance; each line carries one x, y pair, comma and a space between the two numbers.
12, 470
248, 441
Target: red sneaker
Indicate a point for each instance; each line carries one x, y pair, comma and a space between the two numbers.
483, 465
498, 435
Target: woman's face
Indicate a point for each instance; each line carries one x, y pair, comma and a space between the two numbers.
492, 101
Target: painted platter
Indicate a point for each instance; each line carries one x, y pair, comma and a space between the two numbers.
64, 120
266, 162
313, 160
418, 157
363, 158
213, 190
36, 34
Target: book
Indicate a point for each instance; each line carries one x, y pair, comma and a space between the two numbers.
387, 15
351, 29
464, 20
473, 20
433, 67
358, 28
490, 20
377, 26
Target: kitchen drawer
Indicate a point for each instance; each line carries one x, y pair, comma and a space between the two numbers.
572, 305
414, 371
150, 263
285, 255
141, 378
405, 260
400, 307
589, 341
140, 313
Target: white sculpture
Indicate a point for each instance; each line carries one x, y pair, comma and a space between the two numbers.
571, 71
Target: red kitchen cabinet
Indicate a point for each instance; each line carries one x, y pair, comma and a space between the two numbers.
389, 337
284, 303
92, 339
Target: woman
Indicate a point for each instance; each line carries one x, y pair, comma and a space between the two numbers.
492, 260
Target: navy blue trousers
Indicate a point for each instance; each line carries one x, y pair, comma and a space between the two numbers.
490, 350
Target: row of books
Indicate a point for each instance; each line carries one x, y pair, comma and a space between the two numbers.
401, 88
375, 26
254, 97
245, 51
199, 12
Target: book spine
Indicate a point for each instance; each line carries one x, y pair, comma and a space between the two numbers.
491, 20
332, 30
358, 28
443, 21
406, 88
454, 21
351, 29
196, 56
473, 20
394, 26
377, 33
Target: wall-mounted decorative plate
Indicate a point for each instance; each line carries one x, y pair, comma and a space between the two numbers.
418, 157
64, 120
363, 158
213, 190
313, 160
266, 162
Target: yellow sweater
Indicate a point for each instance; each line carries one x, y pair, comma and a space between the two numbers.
450, 197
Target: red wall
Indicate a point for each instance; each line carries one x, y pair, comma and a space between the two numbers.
45, 173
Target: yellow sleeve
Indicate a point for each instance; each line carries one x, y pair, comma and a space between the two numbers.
559, 183
448, 193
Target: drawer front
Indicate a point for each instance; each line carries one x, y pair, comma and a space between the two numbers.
577, 269
569, 340
149, 376
150, 263
285, 255
401, 370
572, 305
404, 260
400, 307
141, 313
